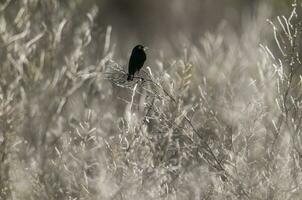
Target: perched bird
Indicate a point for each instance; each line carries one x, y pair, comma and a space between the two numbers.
136, 62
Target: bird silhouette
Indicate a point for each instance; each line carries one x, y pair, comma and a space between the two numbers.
136, 61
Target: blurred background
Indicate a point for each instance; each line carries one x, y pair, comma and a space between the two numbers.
161, 24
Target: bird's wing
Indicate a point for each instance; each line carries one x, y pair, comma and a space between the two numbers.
141, 61
131, 67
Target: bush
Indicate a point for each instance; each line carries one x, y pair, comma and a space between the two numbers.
222, 121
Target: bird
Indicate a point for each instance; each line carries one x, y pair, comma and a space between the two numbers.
136, 61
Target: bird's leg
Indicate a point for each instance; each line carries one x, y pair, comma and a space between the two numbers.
142, 78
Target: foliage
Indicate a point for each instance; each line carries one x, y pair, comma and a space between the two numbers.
222, 121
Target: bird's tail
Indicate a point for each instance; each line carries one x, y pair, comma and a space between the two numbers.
130, 77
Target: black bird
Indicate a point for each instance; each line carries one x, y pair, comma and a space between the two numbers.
136, 62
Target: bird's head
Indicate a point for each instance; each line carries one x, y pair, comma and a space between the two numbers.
140, 48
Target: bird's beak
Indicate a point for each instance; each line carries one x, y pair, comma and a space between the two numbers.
146, 48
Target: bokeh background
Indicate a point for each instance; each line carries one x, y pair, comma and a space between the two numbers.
216, 115
162, 26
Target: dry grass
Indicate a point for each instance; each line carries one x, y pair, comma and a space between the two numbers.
223, 121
